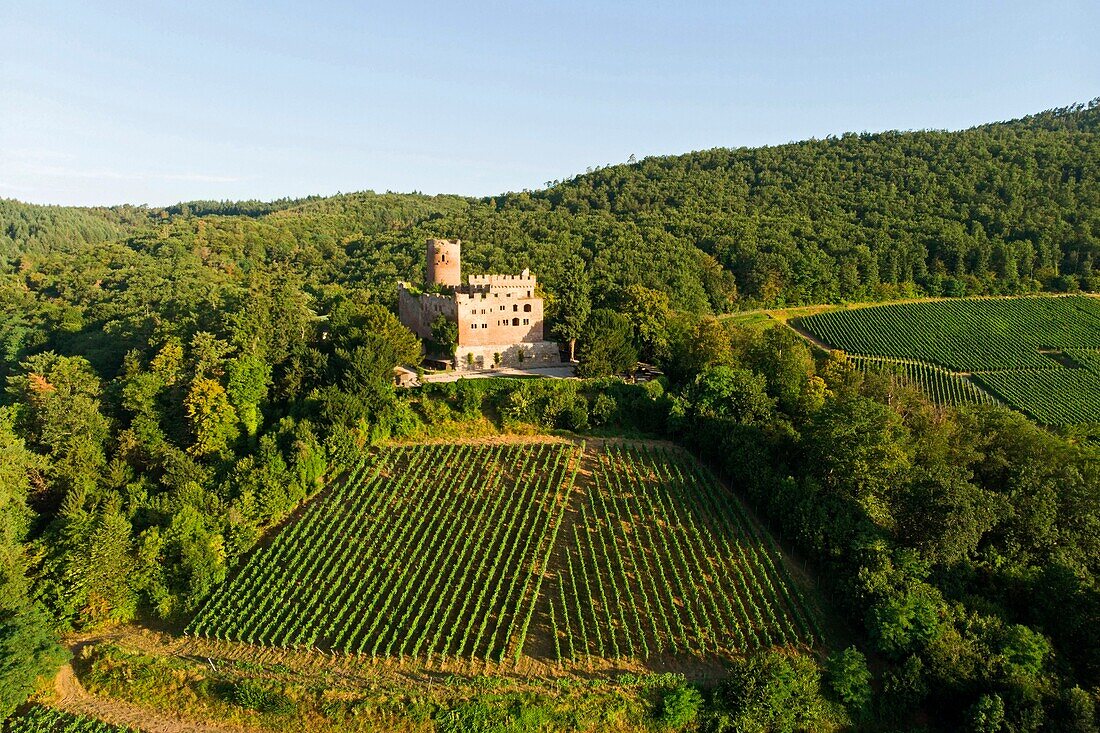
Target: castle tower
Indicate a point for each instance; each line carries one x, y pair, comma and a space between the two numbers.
444, 262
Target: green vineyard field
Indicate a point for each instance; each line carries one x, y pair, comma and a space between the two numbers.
663, 560
1085, 359
1035, 354
40, 719
1051, 396
964, 335
494, 552
941, 386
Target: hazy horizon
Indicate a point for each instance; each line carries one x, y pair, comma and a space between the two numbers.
107, 104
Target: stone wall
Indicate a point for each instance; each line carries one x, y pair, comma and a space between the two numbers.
499, 316
542, 353
418, 310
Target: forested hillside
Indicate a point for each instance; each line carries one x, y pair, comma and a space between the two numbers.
1001, 208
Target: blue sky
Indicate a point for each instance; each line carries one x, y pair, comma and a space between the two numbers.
104, 103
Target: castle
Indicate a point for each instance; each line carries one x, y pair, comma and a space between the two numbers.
499, 317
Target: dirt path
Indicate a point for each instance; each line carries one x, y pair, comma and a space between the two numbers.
783, 314
73, 698
811, 338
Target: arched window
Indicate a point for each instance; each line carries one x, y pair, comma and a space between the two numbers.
515, 321
526, 307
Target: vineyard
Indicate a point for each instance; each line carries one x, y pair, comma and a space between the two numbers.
941, 386
494, 552
40, 719
421, 551
663, 560
1051, 396
1036, 354
965, 335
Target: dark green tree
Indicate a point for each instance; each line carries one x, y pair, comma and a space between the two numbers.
571, 303
607, 347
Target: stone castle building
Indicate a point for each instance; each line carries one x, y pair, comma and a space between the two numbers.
499, 317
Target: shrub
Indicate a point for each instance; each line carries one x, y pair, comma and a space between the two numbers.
255, 695
680, 707
849, 679
775, 692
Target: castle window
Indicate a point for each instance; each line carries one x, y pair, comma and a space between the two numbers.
525, 321
473, 325
515, 321
526, 307
515, 308
528, 293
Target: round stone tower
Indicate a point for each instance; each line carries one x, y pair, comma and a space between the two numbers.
444, 262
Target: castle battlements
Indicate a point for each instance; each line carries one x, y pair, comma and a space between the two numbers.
524, 280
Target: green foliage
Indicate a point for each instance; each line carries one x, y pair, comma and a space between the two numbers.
680, 707
987, 715
249, 378
213, 419
857, 450
1023, 652
41, 719
571, 305
849, 679
28, 647
1076, 712
694, 345
607, 347
729, 395
774, 692
904, 688
255, 695
785, 361
29, 651
648, 312
902, 622
445, 335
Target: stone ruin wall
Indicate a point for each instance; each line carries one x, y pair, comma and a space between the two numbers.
417, 311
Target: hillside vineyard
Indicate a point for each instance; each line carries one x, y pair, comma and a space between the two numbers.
1039, 355
494, 552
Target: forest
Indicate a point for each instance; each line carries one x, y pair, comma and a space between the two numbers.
178, 380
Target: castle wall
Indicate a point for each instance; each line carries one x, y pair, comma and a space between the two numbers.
517, 282
499, 316
540, 354
418, 310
